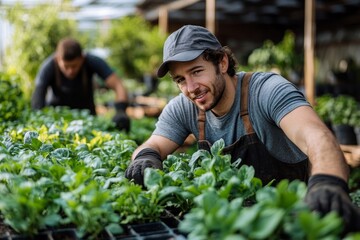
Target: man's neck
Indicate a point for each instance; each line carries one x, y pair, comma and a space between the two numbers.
228, 98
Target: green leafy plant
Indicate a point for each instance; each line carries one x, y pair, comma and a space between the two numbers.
88, 207
281, 56
342, 109
26, 207
66, 168
323, 107
12, 102
279, 213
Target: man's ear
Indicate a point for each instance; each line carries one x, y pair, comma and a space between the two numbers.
224, 64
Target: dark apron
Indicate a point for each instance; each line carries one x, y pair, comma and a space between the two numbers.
252, 151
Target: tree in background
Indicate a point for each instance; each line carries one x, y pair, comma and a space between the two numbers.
36, 32
135, 50
281, 57
135, 46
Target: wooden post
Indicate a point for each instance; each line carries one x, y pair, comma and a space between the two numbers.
163, 11
309, 34
163, 19
210, 15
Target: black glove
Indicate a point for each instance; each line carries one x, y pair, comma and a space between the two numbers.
329, 193
147, 157
121, 119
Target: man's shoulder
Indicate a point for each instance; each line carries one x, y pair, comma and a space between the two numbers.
48, 65
95, 61
49, 61
266, 80
263, 76
93, 57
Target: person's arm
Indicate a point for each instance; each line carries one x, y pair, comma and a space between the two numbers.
120, 118
38, 97
42, 82
303, 127
162, 145
149, 155
327, 186
115, 83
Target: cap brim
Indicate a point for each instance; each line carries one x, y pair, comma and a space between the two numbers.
180, 57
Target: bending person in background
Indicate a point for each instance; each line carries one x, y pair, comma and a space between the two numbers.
65, 79
262, 117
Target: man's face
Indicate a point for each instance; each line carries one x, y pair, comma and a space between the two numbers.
200, 81
70, 68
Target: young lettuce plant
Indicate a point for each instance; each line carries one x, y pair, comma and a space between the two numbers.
26, 208
87, 206
279, 213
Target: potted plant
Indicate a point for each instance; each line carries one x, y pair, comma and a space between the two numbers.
323, 108
342, 111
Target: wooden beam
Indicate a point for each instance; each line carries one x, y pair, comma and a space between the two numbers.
309, 34
163, 12
210, 15
180, 4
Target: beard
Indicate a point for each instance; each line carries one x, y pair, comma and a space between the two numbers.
219, 88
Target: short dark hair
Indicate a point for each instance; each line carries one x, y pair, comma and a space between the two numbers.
215, 56
68, 49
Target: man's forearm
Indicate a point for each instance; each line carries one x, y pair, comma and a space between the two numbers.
326, 157
38, 98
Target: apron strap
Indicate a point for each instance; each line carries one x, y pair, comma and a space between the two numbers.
84, 81
201, 124
57, 74
244, 114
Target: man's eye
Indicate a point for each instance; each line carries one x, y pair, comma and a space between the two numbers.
197, 72
179, 80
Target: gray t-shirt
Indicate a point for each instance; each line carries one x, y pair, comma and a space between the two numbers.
271, 97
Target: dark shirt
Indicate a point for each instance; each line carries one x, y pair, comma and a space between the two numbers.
54, 89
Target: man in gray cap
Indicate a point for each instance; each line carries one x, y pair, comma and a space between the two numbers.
262, 117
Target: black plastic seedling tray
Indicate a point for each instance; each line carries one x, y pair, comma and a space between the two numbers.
164, 229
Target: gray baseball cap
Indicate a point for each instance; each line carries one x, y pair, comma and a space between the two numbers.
186, 44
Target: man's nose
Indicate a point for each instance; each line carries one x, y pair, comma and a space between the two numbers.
191, 85
71, 70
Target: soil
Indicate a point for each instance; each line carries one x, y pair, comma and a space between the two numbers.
5, 230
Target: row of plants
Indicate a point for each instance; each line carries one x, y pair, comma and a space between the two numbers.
62, 167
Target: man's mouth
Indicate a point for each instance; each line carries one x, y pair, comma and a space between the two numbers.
200, 97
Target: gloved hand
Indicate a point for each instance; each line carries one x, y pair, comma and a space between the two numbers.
121, 119
146, 158
329, 193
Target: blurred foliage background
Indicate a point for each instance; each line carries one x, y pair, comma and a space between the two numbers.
134, 48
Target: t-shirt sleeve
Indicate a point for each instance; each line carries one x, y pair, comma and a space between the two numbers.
277, 97
174, 120
99, 66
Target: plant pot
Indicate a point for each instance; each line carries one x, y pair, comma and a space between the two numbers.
345, 134
66, 233
150, 228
